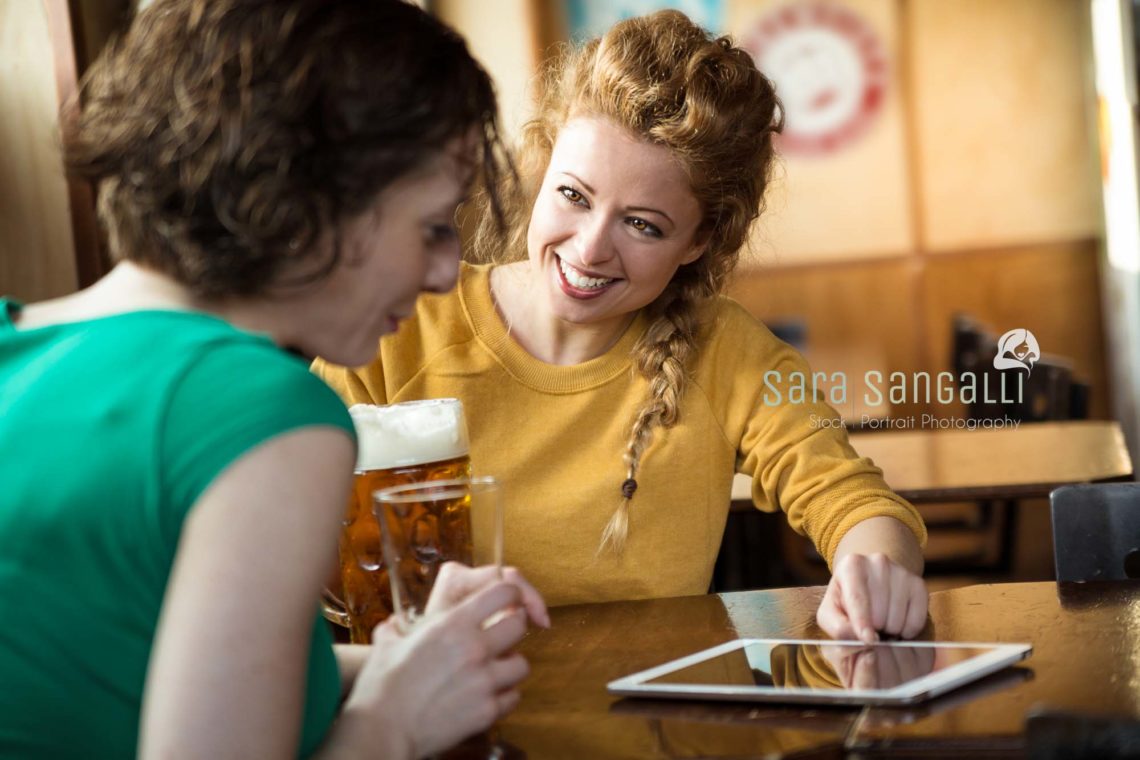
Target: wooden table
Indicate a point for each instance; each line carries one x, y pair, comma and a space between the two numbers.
1029, 461
1016, 463
1086, 658
965, 465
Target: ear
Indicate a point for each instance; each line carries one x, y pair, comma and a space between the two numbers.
694, 253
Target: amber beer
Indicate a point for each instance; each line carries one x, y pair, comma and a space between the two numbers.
400, 444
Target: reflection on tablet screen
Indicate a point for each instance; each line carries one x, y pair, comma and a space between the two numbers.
824, 666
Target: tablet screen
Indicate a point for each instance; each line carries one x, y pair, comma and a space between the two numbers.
825, 666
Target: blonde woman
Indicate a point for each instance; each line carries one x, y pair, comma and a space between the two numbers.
605, 377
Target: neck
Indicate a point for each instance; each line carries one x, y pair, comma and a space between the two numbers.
130, 287
542, 334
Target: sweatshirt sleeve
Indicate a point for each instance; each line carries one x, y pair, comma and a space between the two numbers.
798, 464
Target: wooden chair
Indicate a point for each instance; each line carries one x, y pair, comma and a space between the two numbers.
750, 554
1096, 531
971, 346
792, 331
1050, 392
962, 536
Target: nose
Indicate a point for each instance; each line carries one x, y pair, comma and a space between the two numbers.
592, 242
442, 271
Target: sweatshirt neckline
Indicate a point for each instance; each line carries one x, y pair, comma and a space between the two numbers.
488, 326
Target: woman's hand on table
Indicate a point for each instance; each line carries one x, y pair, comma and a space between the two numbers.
449, 664
872, 594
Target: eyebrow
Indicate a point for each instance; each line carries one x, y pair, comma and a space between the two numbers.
640, 209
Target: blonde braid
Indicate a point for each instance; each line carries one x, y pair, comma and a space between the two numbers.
662, 356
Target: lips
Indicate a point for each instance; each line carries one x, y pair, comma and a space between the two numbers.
585, 288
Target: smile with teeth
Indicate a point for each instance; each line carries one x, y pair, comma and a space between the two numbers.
579, 280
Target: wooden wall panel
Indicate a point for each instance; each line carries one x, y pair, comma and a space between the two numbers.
870, 304
901, 309
37, 258
502, 35
1002, 128
851, 204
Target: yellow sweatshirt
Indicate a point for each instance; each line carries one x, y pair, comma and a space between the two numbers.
554, 435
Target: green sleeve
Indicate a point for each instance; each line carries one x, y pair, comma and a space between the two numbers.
232, 398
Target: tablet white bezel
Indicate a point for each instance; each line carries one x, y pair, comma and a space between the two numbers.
920, 689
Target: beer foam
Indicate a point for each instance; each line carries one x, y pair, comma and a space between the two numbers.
414, 432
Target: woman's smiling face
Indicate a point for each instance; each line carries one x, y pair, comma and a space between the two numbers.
613, 221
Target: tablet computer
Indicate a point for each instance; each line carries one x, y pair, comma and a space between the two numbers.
822, 672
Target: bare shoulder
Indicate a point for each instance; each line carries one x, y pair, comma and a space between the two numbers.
56, 311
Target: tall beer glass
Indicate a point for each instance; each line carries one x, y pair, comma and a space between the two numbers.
421, 521
398, 444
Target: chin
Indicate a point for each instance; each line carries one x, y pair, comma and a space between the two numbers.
348, 356
364, 356
576, 315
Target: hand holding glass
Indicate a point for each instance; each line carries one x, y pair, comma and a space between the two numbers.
423, 524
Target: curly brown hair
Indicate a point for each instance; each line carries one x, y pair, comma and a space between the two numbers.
226, 136
670, 83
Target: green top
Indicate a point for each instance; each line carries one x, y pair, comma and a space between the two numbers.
109, 431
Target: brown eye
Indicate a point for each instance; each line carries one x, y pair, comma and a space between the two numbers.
571, 195
643, 227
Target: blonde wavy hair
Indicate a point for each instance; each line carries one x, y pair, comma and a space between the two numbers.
669, 83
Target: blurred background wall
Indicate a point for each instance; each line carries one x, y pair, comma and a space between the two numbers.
970, 186
36, 251
966, 179
942, 157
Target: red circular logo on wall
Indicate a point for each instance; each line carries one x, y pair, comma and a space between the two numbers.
830, 71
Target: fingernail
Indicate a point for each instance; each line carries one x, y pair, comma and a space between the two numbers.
869, 636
